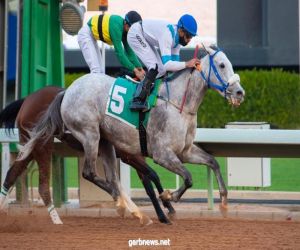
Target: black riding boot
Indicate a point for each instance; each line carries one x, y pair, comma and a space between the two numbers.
139, 102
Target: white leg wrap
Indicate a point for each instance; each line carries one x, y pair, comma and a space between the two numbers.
54, 215
2, 201
134, 210
3, 195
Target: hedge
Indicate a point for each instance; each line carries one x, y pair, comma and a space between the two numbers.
71, 77
271, 96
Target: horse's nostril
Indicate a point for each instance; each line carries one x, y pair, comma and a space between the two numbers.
239, 93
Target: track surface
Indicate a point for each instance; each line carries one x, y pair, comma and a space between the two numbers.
32, 232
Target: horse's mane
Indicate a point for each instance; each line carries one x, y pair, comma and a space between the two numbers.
175, 75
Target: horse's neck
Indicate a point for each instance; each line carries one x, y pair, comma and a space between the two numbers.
187, 84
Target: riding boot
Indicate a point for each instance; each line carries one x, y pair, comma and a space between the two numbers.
139, 102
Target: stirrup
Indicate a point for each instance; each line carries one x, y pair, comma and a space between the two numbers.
139, 106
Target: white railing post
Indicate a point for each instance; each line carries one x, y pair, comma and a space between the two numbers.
210, 189
177, 181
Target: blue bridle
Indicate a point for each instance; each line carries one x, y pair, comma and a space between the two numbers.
211, 84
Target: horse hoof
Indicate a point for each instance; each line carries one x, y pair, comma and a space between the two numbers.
166, 195
121, 207
121, 211
172, 215
58, 222
145, 220
224, 210
165, 220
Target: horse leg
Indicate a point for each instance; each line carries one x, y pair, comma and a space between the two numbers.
42, 155
89, 168
199, 156
13, 173
152, 175
150, 192
90, 140
110, 162
147, 174
170, 161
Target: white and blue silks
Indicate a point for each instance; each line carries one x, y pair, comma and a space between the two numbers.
144, 38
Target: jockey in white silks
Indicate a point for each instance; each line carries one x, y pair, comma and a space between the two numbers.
145, 37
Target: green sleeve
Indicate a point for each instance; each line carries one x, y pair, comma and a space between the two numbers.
116, 33
131, 55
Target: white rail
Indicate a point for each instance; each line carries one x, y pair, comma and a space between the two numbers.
219, 142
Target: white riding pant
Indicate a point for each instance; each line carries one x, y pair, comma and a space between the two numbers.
90, 49
146, 52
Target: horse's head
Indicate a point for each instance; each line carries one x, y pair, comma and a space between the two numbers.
218, 74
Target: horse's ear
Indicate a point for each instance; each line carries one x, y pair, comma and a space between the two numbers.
203, 51
214, 47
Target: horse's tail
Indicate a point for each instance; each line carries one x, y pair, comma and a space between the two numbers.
9, 114
49, 125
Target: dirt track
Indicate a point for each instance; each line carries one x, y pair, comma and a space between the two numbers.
31, 232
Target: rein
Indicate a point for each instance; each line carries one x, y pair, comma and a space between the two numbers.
212, 68
188, 83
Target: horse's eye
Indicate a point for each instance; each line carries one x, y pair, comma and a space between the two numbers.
222, 65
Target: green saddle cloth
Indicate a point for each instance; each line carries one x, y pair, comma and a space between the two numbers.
120, 96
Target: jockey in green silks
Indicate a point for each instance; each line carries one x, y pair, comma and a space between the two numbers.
111, 29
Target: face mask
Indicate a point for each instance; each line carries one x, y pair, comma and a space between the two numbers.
182, 41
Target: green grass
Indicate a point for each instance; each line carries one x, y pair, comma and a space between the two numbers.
285, 175
71, 173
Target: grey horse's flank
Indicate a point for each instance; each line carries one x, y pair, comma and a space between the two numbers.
170, 134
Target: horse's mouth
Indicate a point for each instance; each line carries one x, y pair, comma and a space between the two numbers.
234, 101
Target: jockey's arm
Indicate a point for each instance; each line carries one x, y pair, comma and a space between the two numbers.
116, 33
131, 55
121, 55
172, 63
170, 56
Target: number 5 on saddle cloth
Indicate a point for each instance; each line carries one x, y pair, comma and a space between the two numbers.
120, 96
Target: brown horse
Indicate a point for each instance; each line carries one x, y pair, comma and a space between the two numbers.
25, 113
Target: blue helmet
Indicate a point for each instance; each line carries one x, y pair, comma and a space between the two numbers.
188, 23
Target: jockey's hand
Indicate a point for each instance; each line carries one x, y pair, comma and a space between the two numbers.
139, 73
198, 67
192, 63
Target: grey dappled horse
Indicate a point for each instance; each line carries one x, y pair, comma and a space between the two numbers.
170, 133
